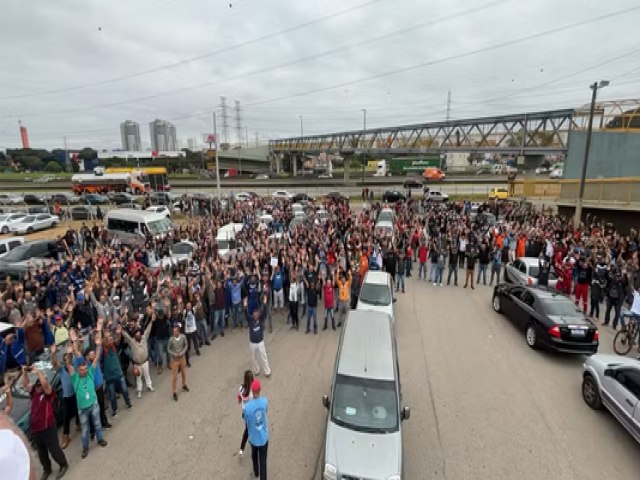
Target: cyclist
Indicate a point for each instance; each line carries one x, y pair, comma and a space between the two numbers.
634, 313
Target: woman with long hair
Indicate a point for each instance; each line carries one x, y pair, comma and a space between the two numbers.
244, 395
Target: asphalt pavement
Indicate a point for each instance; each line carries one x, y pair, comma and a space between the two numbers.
483, 405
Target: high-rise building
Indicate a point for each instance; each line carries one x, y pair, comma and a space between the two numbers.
163, 136
130, 135
192, 144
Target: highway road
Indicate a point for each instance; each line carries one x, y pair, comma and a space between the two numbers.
483, 405
275, 183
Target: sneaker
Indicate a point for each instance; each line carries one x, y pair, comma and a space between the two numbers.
129, 407
440, 283
139, 394
151, 389
106, 427
175, 397
114, 414
185, 388
159, 370
240, 453
435, 284
85, 452
102, 443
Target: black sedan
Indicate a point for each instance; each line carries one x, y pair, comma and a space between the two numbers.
393, 196
548, 319
301, 198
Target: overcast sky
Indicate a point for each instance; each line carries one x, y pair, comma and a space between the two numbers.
77, 68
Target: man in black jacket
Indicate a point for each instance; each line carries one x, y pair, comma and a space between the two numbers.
615, 296
390, 264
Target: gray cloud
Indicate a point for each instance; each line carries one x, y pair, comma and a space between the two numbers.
65, 44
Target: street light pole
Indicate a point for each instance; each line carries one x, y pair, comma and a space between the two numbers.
215, 137
364, 129
594, 93
301, 128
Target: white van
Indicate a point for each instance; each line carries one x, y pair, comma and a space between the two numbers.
364, 422
8, 244
131, 225
226, 238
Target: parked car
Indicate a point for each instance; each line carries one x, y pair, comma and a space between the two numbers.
6, 220
262, 176
613, 382
95, 199
282, 194
302, 198
325, 175
336, 196
160, 198
9, 243
32, 199
525, 271
65, 198
556, 173
542, 171
433, 174
11, 199
32, 223
376, 293
35, 253
160, 209
122, 197
413, 184
548, 319
498, 194
243, 197
130, 205
393, 196
437, 196
33, 210
44, 179
83, 212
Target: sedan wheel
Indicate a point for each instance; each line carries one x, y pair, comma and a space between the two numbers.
30, 230
531, 336
590, 392
5, 229
496, 304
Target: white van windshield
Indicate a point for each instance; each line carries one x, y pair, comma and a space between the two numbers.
159, 226
365, 405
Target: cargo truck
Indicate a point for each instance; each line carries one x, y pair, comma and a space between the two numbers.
406, 166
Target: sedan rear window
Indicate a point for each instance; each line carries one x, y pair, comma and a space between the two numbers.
559, 306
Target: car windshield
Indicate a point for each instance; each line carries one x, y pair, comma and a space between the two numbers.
375, 294
160, 226
385, 216
182, 248
560, 306
223, 244
365, 405
28, 219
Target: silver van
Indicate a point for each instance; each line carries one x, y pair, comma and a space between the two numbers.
131, 226
364, 424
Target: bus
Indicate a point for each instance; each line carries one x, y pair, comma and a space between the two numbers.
156, 176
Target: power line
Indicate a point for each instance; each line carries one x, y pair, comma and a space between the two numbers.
451, 57
267, 69
209, 54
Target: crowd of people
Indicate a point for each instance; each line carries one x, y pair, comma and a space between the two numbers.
106, 313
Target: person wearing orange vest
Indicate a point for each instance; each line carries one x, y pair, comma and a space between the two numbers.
343, 282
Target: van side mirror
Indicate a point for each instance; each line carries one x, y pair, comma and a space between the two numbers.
609, 372
326, 402
406, 413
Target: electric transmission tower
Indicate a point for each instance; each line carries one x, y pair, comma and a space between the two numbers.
238, 115
225, 119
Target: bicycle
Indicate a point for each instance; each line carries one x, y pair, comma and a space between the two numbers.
625, 339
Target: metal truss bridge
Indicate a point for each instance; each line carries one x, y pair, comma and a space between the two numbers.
526, 134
